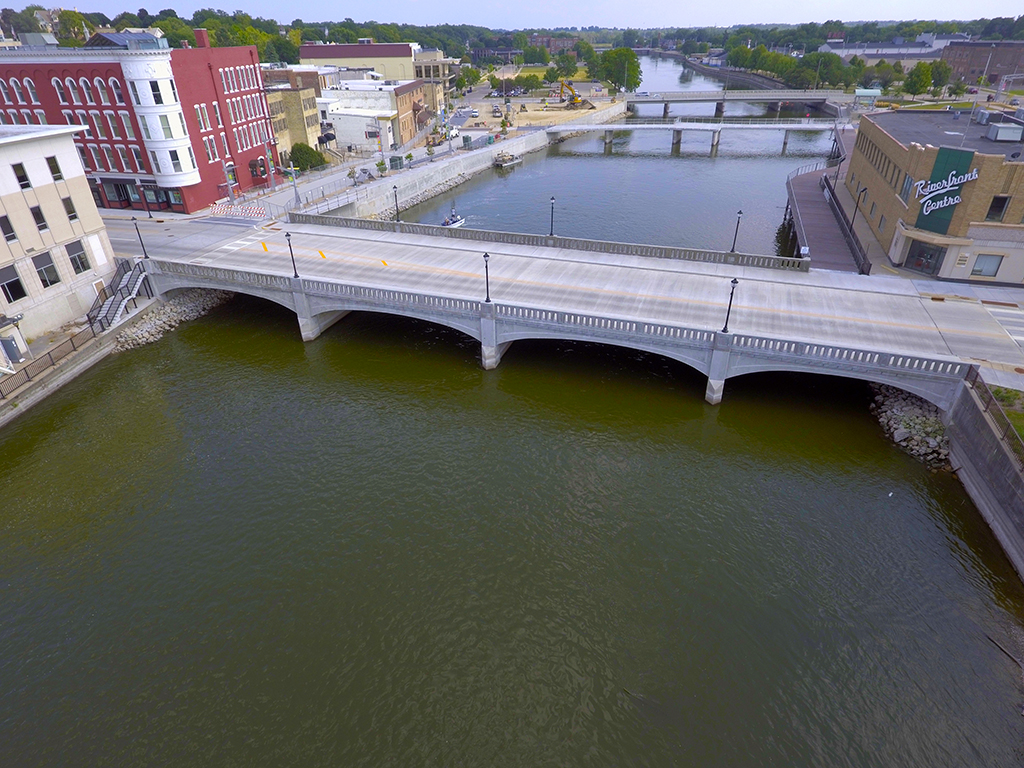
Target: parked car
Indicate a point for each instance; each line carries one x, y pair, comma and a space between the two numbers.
475, 113
1014, 102
972, 90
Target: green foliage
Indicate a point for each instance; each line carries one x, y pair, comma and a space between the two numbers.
305, 157
566, 65
919, 80
72, 29
941, 72
535, 54
621, 68
551, 75
176, 32
472, 75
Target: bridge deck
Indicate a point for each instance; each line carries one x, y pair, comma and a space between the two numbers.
878, 313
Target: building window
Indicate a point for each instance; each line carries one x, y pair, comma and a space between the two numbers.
216, 112
45, 269
872, 214
206, 118
154, 87
83, 119
31, 88
11, 285
134, 92
122, 155
174, 92
87, 91
184, 129
997, 208
881, 225
140, 163
101, 90
81, 155
37, 214
192, 157
73, 90
40, 117
18, 93
54, 168
175, 196
6, 94
175, 162
109, 155
144, 122
986, 265
76, 253
101, 132
115, 127
95, 158
908, 184
115, 86
165, 125
21, 176
7, 229
155, 161
224, 141
129, 129
925, 257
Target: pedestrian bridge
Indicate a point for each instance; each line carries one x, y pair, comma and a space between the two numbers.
765, 96
719, 355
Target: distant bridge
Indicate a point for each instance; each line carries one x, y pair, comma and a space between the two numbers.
773, 98
713, 126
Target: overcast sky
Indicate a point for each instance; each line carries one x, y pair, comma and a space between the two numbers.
524, 14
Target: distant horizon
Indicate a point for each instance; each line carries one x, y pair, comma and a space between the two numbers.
601, 13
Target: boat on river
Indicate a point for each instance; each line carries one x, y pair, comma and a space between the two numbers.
454, 220
506, 160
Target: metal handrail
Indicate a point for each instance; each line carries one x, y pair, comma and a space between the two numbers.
9, 384
846, 227
1008, 433
107, 291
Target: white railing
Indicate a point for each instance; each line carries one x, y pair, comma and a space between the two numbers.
766, 95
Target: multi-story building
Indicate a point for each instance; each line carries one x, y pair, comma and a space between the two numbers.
555, 46
437, 70
392, 60
943, 194
399, 106
56, 253
295, 117
987, 61
165, 128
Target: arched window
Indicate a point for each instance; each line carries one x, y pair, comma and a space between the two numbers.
73, 90
115, 86
58, 86
101, 90
87, 91
31, 88
18, 93
6, 94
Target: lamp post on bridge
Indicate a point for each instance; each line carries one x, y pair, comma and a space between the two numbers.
487, 279
856, 205
395, 187
288, 237
736, 234
734, 283
551, 231
136, 223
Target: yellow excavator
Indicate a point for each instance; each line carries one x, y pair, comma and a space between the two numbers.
573, 99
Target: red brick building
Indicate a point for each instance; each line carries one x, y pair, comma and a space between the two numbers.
166, 128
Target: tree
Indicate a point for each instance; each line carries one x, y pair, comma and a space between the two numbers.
460, 83
630, 38
566, 65
958, 89
621, 68
520, 41
536, 54
941, 72
551, 75
472, 75
919, 79
176, 32
305, 157
72, 29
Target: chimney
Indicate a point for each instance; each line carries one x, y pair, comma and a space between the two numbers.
202, 38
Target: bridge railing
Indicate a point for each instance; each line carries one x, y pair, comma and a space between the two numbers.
846, 227
1008, 434
754, 95
569, 243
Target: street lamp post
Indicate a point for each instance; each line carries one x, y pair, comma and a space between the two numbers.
487, 279
295, 186
288, 237
145, 202
734, 282
551, 231
736, 234
136, 223
395, 187
839, 165
856, 205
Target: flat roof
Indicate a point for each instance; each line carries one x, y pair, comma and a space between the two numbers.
942, 128
10, 134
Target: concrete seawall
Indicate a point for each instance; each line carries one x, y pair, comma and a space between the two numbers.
434, 178
988, 471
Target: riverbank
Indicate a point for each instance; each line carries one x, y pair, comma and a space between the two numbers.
188, 305
914, 424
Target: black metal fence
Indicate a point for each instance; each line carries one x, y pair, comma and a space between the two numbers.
9, 384
1007, 432
845, 226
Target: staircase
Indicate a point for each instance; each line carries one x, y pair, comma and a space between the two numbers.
128, 282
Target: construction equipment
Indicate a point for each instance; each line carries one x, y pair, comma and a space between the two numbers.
573, 99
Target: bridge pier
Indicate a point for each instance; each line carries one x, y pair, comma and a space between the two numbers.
608, 138
490, 350
774, 106
719, 108
677, 136
310, 325
721, 353
785, 141
716, 136
664, 112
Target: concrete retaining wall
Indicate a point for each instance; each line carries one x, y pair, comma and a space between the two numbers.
421, 181
989, 472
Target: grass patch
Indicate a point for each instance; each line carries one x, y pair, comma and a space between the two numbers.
1012, 403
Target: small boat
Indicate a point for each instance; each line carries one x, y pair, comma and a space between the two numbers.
507, 160
454, 220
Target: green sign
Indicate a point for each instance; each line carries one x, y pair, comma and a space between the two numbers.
940, 194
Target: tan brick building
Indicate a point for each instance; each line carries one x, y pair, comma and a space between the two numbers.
943, 193
294, 116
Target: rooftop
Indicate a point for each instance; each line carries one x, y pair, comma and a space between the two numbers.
11, 134
942, 128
